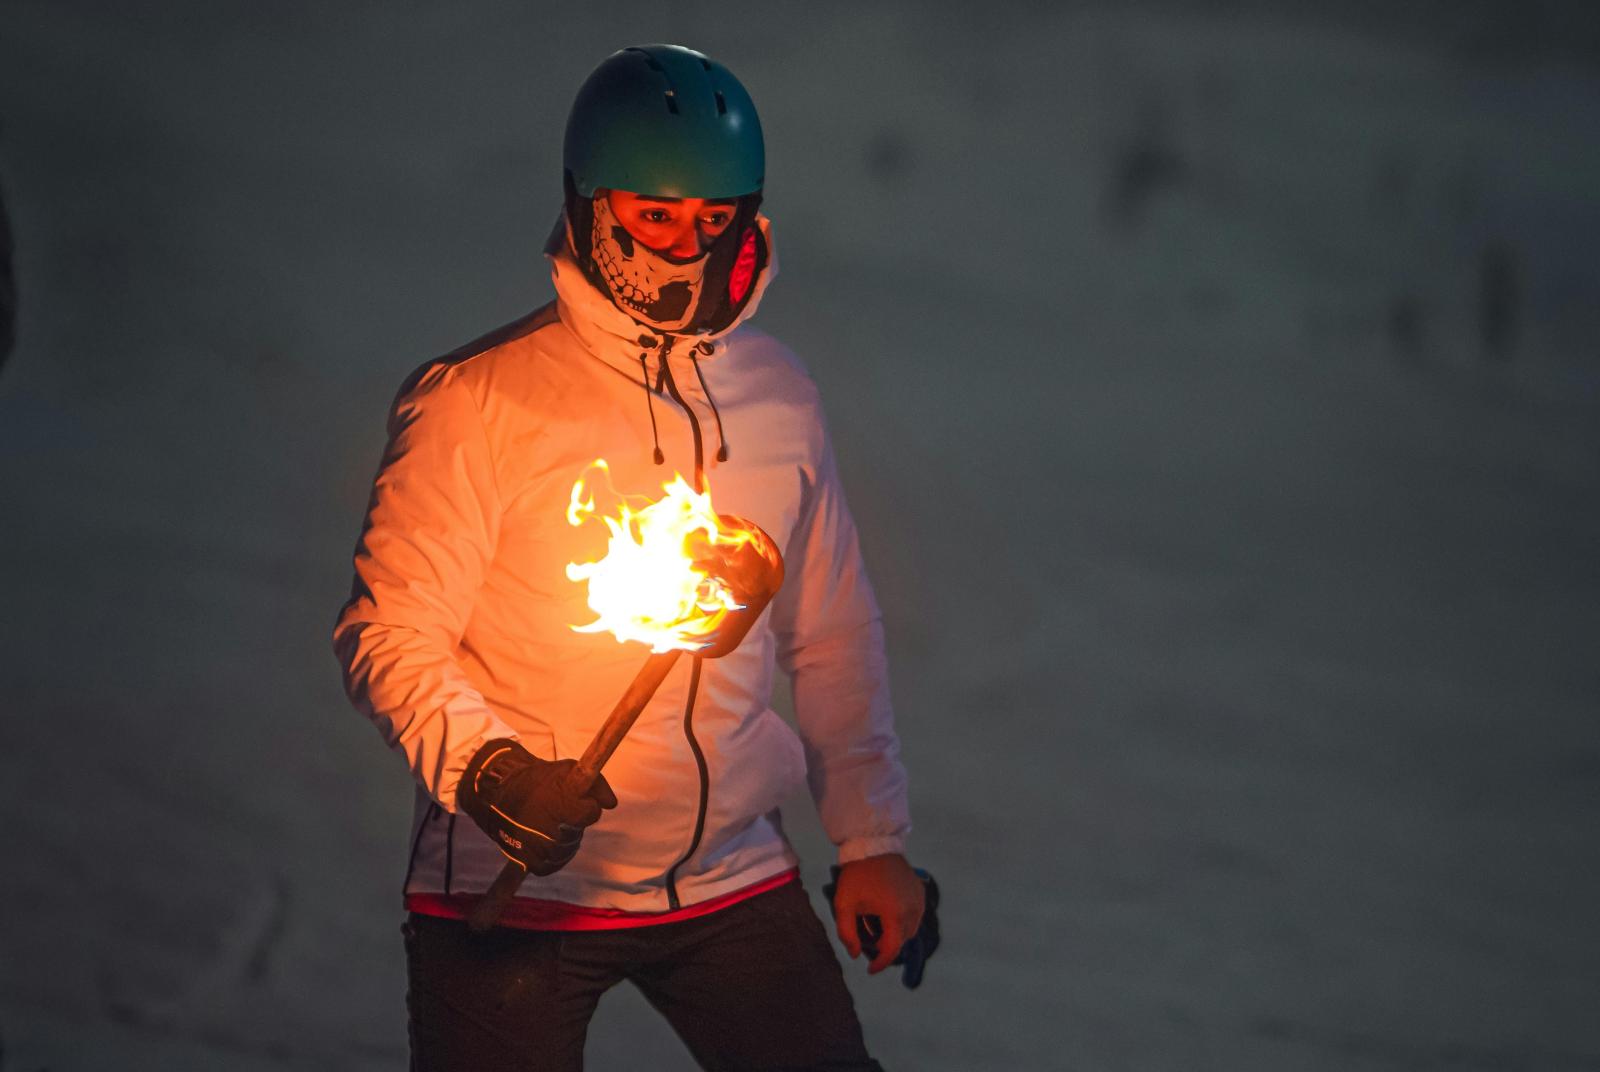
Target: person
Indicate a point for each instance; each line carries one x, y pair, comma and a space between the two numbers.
673, 871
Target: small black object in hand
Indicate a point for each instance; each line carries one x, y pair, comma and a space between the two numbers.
916, 950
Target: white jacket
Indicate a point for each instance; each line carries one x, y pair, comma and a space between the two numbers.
458, 630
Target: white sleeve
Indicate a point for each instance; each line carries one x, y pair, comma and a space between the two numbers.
829, 635
429, 536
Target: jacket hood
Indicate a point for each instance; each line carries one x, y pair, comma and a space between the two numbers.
609, 332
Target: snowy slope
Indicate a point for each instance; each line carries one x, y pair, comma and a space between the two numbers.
1217, 394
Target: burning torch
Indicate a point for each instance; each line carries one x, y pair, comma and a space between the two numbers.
677, 576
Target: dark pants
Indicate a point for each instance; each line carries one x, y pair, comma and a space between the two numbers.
753, 986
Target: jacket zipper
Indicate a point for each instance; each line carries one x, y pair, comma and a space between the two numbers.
694, 674
694, 422
705, 786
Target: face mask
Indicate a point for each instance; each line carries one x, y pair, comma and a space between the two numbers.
648, 286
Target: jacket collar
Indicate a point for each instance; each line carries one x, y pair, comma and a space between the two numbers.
608, 332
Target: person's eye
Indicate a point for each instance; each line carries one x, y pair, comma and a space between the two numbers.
717, 219
656, 215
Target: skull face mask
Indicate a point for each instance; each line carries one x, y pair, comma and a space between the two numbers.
681, 297
653, 288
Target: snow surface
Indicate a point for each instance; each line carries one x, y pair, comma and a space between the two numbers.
1217, 391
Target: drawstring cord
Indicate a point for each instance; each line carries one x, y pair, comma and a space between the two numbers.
649, 342
722, 436
649, 402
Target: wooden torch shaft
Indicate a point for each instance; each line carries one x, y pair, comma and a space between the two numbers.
582, 776
622, 717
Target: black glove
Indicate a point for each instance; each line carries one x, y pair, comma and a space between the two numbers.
528, 805
916, 950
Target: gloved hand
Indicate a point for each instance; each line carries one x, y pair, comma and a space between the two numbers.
916, 950
528, 805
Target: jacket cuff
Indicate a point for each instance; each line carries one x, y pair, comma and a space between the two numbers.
853, 849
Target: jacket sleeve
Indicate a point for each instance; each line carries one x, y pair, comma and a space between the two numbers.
829, 635
428, 538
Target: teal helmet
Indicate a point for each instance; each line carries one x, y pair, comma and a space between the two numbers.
664, 120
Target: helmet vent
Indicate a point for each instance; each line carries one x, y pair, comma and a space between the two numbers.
722, 105
672, 101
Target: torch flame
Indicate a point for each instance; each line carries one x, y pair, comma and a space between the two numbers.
650, 586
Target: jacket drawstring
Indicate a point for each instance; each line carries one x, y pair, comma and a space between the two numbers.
650, 342
722, 436
649, 402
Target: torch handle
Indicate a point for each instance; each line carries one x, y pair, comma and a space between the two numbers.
644, 685
487, 911
621, 720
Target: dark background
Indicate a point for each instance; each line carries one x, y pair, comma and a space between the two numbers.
1217, 389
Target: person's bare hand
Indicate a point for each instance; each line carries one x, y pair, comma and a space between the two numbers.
881, 886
